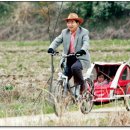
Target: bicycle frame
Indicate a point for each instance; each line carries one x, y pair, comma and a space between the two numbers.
62, 77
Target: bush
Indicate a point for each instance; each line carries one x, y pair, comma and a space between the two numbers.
6, 8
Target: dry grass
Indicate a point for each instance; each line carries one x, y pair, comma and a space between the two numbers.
119, 119
27, 68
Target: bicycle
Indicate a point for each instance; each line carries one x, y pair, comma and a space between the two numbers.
64, 93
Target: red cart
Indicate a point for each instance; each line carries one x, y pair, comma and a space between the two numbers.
118, 76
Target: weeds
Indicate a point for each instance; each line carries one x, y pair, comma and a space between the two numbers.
25, 68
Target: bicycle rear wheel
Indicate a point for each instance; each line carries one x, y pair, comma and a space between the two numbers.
87, 103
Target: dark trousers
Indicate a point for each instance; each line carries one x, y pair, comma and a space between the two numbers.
74, 68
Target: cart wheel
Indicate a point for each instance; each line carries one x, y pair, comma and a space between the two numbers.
127, 99
87, 103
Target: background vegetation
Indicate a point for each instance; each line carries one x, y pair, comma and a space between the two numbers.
44, 20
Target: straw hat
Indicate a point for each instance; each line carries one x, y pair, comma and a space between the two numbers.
74, 16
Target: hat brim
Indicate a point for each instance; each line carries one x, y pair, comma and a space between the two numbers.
80, 20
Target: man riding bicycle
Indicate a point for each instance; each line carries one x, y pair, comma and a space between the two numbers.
75, 40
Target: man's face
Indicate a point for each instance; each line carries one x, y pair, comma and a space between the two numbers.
72, 25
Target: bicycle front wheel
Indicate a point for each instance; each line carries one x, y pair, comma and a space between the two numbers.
58, 88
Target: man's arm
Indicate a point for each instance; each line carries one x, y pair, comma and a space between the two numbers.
85, 46
57, 41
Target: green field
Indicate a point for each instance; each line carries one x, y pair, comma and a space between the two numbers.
25, 69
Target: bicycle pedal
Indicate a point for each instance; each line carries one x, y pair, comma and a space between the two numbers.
78, 99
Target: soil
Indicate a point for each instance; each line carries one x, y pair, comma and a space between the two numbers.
53, 120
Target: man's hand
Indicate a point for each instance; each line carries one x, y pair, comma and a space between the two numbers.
50, 50
80, 53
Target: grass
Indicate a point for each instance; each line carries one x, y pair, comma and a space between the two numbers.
26, 67
24, 43
24, 104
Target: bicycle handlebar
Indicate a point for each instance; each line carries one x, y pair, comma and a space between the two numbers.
55, 53
68, 55
64, 55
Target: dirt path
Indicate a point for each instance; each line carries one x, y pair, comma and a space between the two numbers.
68, 119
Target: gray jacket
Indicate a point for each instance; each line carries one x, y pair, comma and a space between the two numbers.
81, 42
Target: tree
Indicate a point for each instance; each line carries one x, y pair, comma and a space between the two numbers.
84, 9
98, 10
108, 9
51, 12
6, 8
